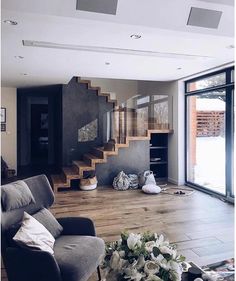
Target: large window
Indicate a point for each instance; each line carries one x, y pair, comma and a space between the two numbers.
209, 132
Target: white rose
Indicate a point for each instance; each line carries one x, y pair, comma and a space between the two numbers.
149, 246
151, 267
122, 254
114, 262
133, 274
140, 262
161, 261
166, 250
177, 267
161, 241
152, 277
134, 241
174, 276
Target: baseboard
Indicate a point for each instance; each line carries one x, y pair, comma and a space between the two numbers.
173, 181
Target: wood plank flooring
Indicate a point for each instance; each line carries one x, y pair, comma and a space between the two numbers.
201, 226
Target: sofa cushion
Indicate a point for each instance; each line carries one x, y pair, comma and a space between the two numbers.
78, 256
45, 217
16, 195
34, 235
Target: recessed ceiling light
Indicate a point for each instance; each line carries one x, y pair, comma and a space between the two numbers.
10, 22
179, 68
230, 47
18, 57
135, 36
23, 74
107, 63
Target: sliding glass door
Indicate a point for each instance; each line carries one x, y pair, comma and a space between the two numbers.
209, 132
206, 140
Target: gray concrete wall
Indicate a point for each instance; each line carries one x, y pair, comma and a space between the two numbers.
131, 160
80, 107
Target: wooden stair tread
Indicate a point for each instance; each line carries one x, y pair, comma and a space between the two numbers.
92, 157
160, 131
138, 138
108, 152
59, 180
83, 165
70, 173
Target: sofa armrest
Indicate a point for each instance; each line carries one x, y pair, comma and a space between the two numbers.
27, 264
77, 226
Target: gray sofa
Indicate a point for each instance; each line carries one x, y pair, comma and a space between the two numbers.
77, 251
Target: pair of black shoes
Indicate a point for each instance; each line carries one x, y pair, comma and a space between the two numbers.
179, 192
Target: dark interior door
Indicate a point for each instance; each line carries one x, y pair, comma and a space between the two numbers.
39, 134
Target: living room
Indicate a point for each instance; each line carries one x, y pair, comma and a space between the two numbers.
96, 100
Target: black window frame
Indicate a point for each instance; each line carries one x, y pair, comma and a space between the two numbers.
229, 129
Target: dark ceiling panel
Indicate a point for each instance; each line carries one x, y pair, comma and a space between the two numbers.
97, 6
204, 17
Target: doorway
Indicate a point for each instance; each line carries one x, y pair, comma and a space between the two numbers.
39, 130
39, 134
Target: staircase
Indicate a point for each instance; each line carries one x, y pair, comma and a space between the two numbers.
97, 155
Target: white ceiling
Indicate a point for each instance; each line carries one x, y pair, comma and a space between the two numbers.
162, 24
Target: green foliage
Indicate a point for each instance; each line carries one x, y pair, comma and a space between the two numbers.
180, 258
164, 274
148, 236
132, 256
124, 236
156, 251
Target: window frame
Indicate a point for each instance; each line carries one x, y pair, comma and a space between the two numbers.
229, 129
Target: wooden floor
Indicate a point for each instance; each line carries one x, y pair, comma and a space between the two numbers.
200, 225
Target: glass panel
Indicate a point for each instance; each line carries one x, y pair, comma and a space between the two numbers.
234, 145
206, 140
232, 75
143, 100
208, 82
161, 114
142, 121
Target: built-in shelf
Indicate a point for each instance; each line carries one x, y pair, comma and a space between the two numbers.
159, 150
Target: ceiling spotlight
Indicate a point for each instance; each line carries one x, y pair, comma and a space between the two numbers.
179, 68
23, 74
10, 22
230, 47
107, 63
18, 57
135, 36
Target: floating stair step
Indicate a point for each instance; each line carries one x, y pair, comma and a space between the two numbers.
81, 166
71, 173
91, 159
138, 138
109, 152
98, 151
59, 181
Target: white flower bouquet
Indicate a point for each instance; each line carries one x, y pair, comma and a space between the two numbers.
142, 257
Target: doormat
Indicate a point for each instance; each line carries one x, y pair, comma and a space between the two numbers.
220, 271
177, 191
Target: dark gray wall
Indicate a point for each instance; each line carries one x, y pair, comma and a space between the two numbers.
133, 159
80, 107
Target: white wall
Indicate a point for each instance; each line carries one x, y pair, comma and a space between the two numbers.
176, 140
9, 138
120, 89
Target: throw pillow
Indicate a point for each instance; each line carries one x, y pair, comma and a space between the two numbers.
151, 189
45, 217
16, 195
34, 235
